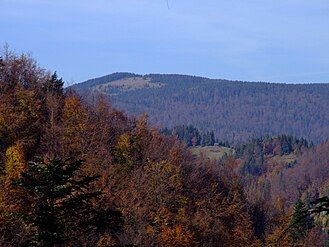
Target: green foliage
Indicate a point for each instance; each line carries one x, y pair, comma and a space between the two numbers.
54, 85
256, 151
127, 153
61, 202
208, 138
191, 135
300, 222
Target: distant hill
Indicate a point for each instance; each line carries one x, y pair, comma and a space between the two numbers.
235, 110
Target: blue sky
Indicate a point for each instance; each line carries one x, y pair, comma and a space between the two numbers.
255, 40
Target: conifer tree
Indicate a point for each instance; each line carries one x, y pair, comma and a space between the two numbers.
300, 222
61, 203
54, 85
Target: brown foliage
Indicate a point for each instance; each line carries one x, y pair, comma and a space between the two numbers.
167, 196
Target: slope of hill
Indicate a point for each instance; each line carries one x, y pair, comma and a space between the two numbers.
138, 186
235, 110
212, 152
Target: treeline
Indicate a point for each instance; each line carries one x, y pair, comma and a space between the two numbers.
85, 174
235, 110
257, 152
135, 186
193, 136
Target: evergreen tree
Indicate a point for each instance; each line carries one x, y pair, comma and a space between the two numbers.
61, 203
204, 140
208, 138
54, 85
285, 145
300, 222
212, 138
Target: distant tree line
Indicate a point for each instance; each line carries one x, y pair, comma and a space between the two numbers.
193, 136
255, 151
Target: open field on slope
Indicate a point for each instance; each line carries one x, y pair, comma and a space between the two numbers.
212, 152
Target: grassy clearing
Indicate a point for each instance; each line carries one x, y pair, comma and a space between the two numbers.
212, 152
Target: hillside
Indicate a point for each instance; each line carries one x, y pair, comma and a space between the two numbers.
212, 152
62, 158
235, 110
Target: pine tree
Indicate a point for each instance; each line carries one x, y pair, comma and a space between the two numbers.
61, 203
54, 85
212, 138
300, 222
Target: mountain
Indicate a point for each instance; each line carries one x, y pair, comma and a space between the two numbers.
80, 173
235, 110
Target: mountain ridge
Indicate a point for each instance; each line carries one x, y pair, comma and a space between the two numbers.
124, 74
235, 110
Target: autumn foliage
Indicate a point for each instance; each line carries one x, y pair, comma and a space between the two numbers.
162, 194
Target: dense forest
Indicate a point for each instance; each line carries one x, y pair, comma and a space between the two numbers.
235, 110
192, 136
79, 172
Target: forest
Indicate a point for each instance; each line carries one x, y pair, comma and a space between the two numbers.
236, 111
192, 136
77, 171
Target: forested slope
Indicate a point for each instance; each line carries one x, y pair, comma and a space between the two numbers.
235, 110
85, 174
77, 173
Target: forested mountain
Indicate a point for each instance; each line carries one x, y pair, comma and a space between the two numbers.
82, 173
235, 110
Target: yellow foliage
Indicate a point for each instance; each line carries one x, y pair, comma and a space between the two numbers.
164, 178
150, 230
74, 115
279, 236
166, 170
106, 240
75, 122
141, 126
15, 163
176, 236
161, 217
123, 143
28, 103
125, 153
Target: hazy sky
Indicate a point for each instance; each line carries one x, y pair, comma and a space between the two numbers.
256, 40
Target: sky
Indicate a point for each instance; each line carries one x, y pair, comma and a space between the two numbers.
252, 40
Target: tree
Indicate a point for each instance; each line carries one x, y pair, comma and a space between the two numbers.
62, 204
54, 85
15, 162
75, 123
208, 139
300, 222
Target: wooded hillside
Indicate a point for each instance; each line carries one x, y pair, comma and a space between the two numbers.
235, 110
77, 173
